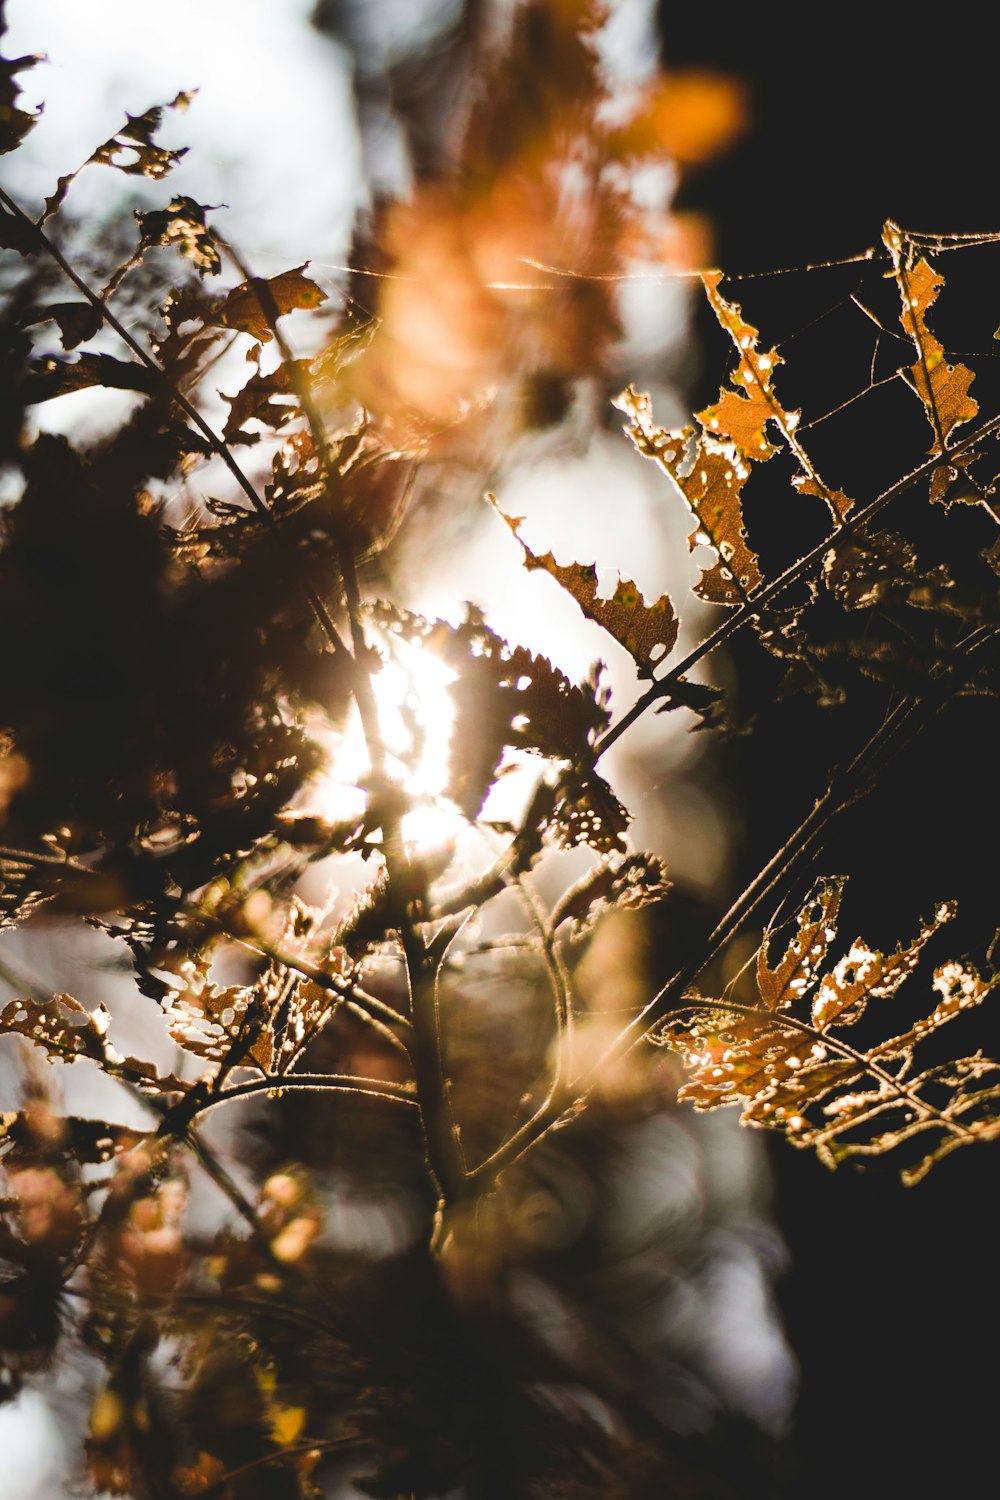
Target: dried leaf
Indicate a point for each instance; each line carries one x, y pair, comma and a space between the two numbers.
503, 696
741, 415
864, 974
863, 570
135, 142
244, 309
51, 377
705, 701
710, 473
794, 1074
269, 399
60, 1027
942, 386
231, 1023
647, 631
795, 973
839, 504
620, 880
87, 1142
181, 223
14, 122
588, 812
77, 321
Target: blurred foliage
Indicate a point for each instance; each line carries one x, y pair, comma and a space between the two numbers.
424, 1289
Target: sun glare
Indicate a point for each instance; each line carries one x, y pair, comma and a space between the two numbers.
416, 717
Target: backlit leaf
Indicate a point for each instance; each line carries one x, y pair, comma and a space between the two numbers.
710, 473
61, 1027
289, 291
133, 150
864, 974
795, 973
181, 223
647, 631
790, 1071
942, 385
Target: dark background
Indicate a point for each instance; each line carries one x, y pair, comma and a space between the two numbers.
890, 1300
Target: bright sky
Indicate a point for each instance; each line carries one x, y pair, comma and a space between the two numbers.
271, 131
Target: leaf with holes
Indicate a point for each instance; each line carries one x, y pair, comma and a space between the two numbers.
785, 1064
941, 384
710, 473
647, 631
133, 150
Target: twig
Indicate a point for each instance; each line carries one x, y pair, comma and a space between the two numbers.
768, 592
844, 789
218, 445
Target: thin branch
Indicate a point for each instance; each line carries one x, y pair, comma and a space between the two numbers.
218, 445
863, 1060
343, 1083
844, 789
559, 979
768, 592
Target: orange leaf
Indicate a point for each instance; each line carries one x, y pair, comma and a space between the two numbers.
647, 631
943, 387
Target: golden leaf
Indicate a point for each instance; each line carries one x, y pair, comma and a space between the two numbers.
942, 386
740, 415
711, 483
864, 974
647, 631
839, 503
798, 1076
289, 291
789, 980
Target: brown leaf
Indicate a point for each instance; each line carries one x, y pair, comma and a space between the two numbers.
86, 1141
135, 142
796, 1075
61, 1027
77, 321
244, 308
52, 377
741, 415
795, 973
504, 696
588, 812
14, 122
181, 223
647, 631
864, 974
268, 399
711, 479
868, 569
942, 386
838, 503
